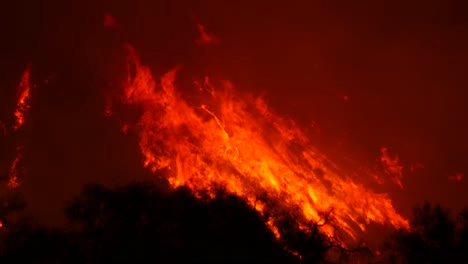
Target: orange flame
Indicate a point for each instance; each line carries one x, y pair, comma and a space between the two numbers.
22, 105
22, 108
236, 141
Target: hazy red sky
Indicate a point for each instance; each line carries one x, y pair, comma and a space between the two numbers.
402, 65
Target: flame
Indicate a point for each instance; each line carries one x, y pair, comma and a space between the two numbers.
204, 37
22, 105
22, 108
392, 166
234, 140
14, 171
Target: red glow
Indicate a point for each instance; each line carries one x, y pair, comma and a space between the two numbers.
392, 167
13, 181
416, 166
204, 37
109, 21
457, 177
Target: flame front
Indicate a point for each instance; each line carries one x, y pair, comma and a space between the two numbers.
236, 141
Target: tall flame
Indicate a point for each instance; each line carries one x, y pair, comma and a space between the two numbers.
22, 108
236, 141
22, 105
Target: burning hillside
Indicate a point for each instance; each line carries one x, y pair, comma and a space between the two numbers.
222, 137
234, 140
345, 113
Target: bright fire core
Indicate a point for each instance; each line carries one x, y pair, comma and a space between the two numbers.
234, 140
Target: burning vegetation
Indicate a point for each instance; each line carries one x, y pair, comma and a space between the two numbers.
225, 166
224, 138
234, 140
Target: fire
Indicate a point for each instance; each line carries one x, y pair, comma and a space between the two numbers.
392, 166
235, 140
14, 170
205, 38
22, 105
22, 108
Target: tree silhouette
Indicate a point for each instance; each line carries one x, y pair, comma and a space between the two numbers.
462, 227
152, 223
138, 224
435, 236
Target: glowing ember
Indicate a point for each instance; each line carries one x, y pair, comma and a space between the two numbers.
234, 140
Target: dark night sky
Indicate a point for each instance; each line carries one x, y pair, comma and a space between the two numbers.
402, 65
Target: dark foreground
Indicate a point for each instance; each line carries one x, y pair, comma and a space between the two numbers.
147, 223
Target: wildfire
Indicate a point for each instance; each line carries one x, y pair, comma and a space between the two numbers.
234, 140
